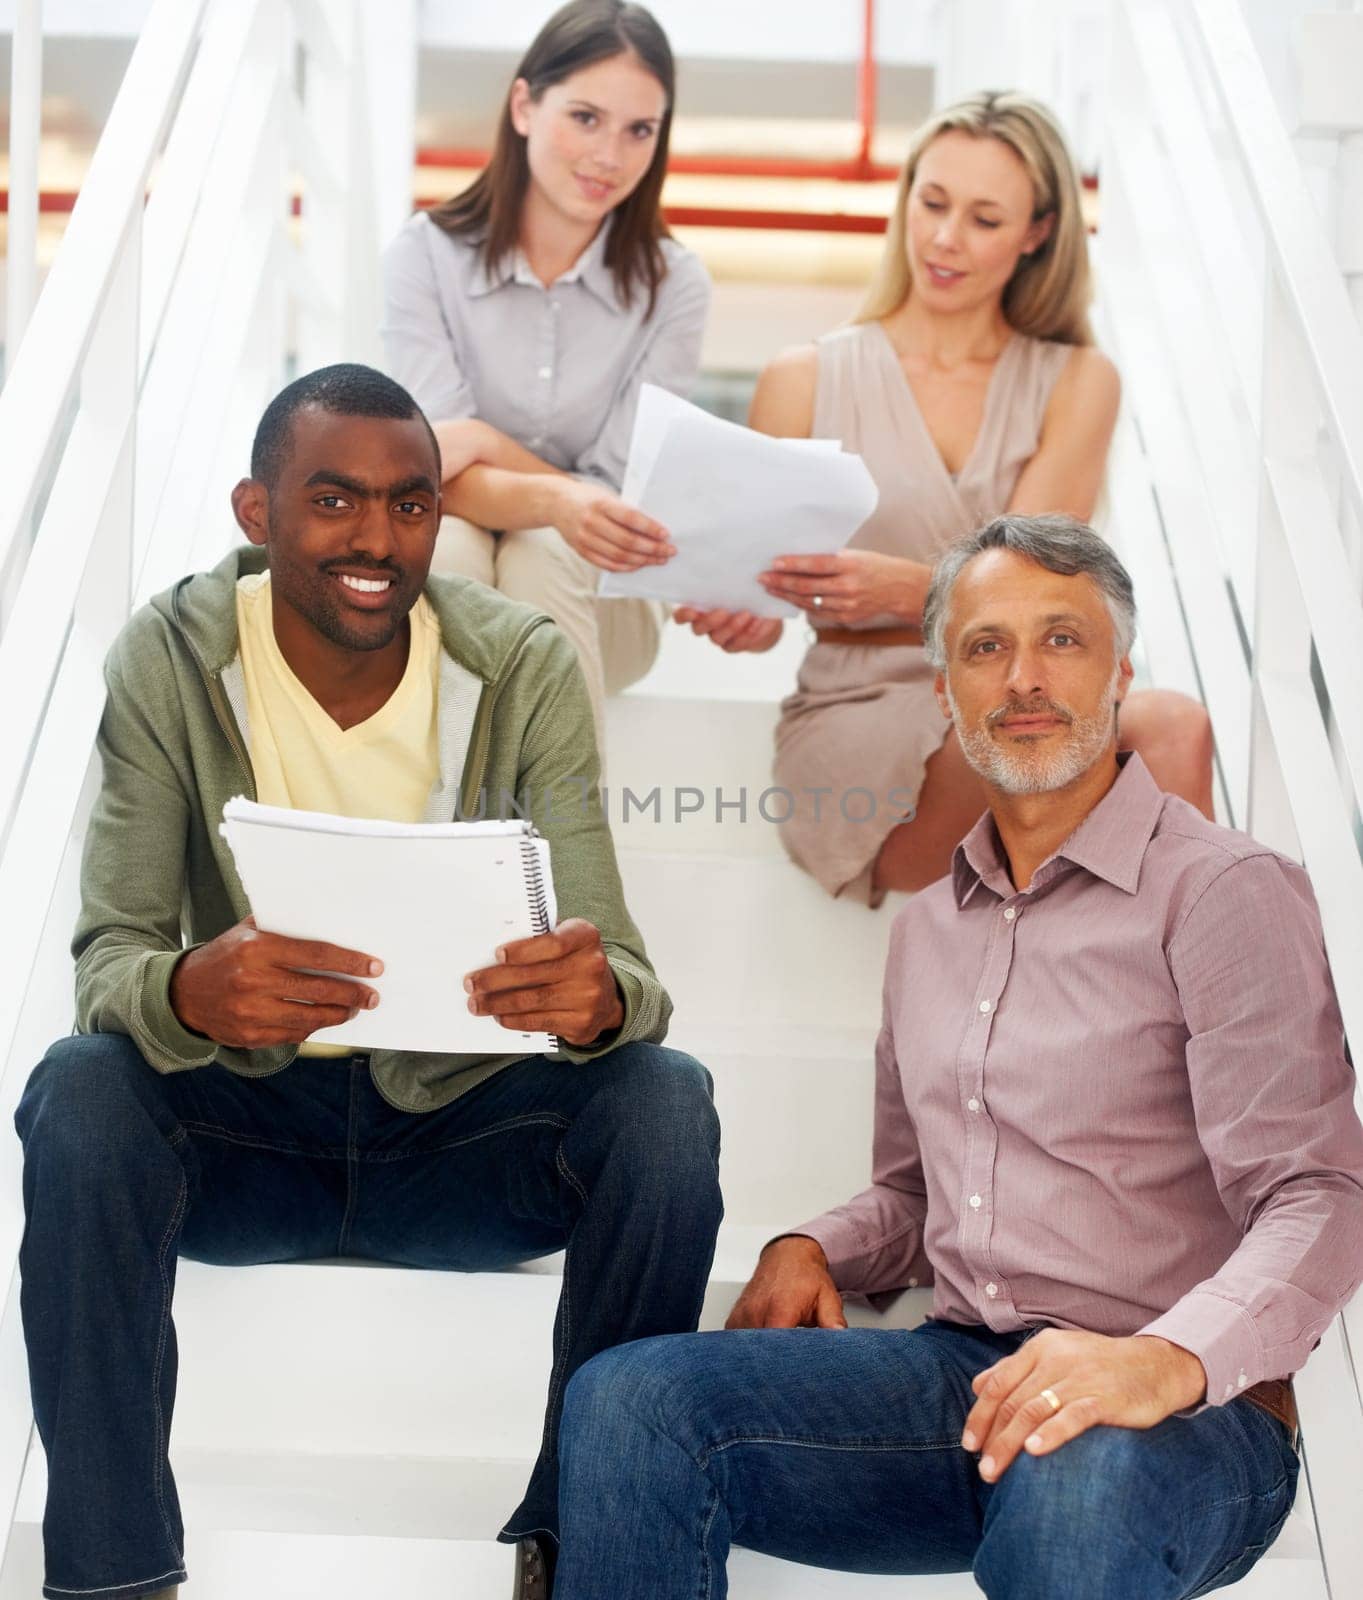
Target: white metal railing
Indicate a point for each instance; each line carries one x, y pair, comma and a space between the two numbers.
163, 328
1240, 485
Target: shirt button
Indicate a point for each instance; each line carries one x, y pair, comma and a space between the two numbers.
975, 1202
546, 372
1242, 1380
973, 1104
1230, 1389
986, 1005
1010, 913
991, 1289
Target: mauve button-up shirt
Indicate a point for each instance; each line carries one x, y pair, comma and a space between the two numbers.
558, 369
1118, 1100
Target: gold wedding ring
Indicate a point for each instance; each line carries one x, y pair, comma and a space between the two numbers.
1052, 1399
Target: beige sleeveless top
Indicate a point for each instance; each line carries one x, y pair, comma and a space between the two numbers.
865, 715
863, 398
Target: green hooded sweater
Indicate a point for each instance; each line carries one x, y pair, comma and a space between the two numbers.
515, 725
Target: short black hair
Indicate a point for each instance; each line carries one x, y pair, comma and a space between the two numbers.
346, 390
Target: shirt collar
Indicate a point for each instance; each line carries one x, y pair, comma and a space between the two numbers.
1110, 842
590, 270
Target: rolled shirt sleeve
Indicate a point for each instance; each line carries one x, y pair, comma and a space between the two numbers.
418, 347
1273, 1097
668, 356
874, 1243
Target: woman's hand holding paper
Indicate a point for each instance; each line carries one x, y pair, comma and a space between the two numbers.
559, 983
851, 586
607, 531
731, 630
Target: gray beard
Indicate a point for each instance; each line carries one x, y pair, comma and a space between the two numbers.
1033, 769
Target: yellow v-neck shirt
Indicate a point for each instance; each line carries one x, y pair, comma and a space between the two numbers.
383, 767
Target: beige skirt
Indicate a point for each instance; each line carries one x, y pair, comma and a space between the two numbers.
852, 746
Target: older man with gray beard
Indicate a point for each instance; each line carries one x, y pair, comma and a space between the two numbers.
1115, 1128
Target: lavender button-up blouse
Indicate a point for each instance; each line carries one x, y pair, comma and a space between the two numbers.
1118, 1100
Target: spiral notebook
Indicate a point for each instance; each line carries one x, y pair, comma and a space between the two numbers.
432, 901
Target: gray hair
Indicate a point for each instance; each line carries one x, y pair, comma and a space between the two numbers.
1060, 544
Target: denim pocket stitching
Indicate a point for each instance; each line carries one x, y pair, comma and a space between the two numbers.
570, 1177
870, 1447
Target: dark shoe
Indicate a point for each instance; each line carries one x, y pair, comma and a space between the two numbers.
534, 1570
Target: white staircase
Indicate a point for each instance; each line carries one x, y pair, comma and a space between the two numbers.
374, 1425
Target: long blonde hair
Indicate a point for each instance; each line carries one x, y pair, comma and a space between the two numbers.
1048, 294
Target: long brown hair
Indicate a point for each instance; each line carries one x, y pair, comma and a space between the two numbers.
1048, 294
488, 212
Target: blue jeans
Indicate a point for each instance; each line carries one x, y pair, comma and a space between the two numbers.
125, 1168
843, 1449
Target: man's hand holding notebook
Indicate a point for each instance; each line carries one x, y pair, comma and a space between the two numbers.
433, 903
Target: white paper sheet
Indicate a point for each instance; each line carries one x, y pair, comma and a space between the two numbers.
733, 500
431, 900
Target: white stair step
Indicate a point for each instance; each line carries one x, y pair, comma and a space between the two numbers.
687, 775
390, 1404
361, 1369
337, 1359
687, 667
341, 1359
273, 1566
306, 1527
394, 1496
374, 1496
754, 1577
754, 941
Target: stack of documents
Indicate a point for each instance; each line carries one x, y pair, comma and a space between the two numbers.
432, 901
733, 500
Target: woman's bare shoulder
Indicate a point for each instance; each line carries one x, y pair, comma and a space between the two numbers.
783, 402
1088, 378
